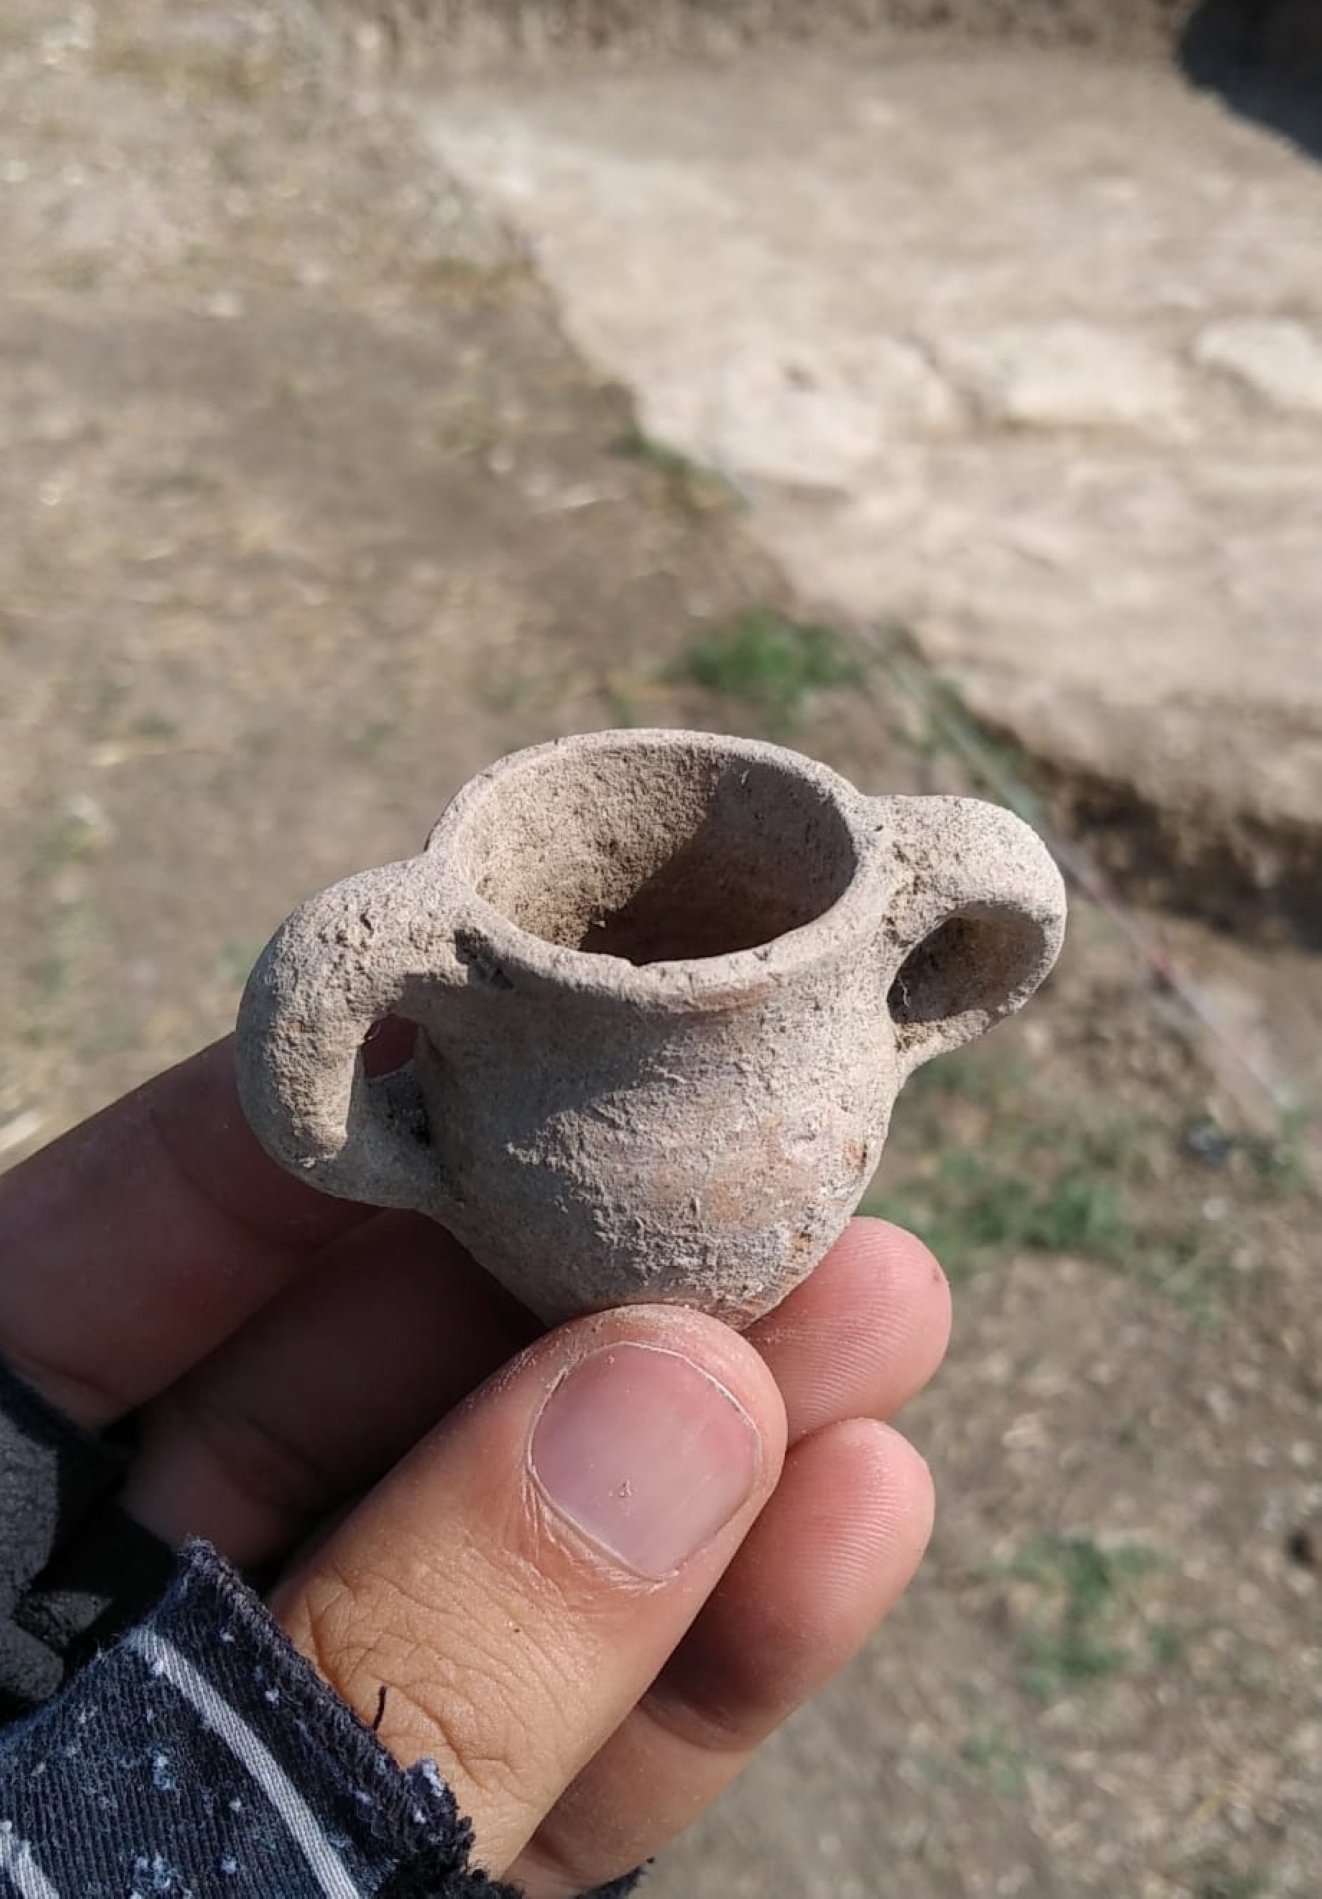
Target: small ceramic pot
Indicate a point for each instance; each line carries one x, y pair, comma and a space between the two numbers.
666, 987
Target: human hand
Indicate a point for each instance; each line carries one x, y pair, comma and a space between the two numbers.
590, 1585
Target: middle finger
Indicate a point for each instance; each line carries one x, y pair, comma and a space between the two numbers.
863, 1334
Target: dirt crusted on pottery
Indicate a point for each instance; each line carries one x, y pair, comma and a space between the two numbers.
666, 986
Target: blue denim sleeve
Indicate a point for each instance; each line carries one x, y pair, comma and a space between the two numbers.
200, 1754
193, 1753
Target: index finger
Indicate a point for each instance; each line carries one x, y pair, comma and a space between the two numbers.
133, 1245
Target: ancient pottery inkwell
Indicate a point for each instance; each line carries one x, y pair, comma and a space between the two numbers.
666, 987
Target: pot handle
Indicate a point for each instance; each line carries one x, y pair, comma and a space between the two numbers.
976, 919
375, 945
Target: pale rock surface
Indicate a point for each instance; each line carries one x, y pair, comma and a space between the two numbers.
1016, 348
1276, 359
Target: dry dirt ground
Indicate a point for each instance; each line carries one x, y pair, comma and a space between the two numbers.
307, 509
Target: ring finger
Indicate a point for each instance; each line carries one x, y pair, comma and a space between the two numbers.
322, 1391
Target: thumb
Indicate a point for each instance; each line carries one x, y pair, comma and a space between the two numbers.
520, 1579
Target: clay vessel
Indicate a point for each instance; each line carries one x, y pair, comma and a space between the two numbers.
666, 986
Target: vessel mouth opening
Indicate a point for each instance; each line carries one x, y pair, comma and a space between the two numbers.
661, 852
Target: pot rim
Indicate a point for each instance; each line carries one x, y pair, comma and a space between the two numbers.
732, 978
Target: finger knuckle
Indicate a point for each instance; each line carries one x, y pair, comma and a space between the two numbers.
254, 1456
468, 1682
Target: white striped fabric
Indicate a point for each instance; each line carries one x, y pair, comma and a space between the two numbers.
19, 1865
325, 1864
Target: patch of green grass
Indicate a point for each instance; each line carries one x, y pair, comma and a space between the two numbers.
1020, 1195
1280, 1159
770, 663
1189, 1269
986, 1170
1165, 1645
942, 724
994, 1758
937, 1769
689, 486
51, 974
153, 728
55, 970
235, 960
370, 740
621, 707
1080, 1628
72, 838
982, 1073
952, 728
79, 271
509, 690
115, 1036
637, 446
183, 483
1210, 1881
1080, 1212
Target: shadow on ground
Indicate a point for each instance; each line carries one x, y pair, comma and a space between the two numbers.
1230, 47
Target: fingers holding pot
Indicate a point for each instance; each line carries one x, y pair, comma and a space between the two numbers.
522, 1577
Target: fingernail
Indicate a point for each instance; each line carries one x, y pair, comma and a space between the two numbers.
645, 1454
